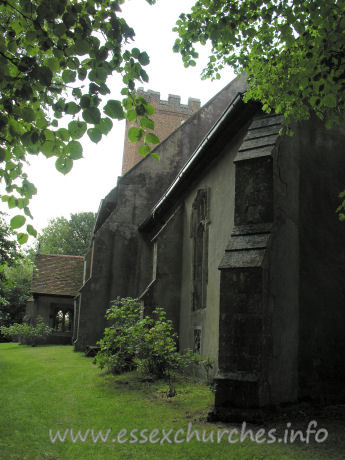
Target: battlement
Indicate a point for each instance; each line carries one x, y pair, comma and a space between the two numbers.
172, 104
168, 116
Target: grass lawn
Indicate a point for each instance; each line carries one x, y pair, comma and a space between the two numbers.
53, 388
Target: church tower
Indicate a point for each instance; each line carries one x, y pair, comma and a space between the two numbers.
167, 117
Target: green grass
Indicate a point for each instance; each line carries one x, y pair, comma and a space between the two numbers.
52, 387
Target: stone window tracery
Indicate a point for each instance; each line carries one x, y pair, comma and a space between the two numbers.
199, 233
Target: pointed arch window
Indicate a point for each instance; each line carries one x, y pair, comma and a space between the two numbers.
199, 232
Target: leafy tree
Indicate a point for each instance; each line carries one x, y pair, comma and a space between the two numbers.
71, 237
15, 277
55, 60
293, 51
145, 343
15, 288
8, 247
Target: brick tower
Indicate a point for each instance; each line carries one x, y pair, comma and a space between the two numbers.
167, 117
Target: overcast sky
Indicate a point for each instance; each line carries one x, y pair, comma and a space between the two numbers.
96, 174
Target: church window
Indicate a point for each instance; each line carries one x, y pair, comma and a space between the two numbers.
199, 233
197, 341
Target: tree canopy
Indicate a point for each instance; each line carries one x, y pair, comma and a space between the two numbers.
15, 289
293, 51
55, 60
8, 247
68, 236
15, 277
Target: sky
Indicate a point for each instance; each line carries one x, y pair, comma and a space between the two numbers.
93, 176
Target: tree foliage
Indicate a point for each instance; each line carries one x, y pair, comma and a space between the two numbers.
15, 289
293, 51
8, 247
27, 334
55, 61
145, 343
68, 236
15, 277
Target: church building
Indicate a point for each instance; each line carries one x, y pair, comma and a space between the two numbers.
234, 233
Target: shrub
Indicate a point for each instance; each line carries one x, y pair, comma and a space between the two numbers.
135, 341
26, 334
157, 353
118, 346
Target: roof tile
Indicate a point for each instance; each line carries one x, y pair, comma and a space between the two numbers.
57, 274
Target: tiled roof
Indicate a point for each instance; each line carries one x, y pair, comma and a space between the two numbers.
57, 275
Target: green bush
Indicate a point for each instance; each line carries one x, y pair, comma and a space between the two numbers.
135, 341
26, 334
118, 346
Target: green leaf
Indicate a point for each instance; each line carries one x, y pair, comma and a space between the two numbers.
146, 123
330, 100
12, 202
103, 89
92, 115
85, 101
75, 150
72, 108
48, 148
27, 212
68, 76
31, 230
69, 19
29, 188
135, 53
105, 125
94, 134
156, 156
150, 110
44, 75
135, 134
64, 165
114, 109
99, 75
22, 238
77, 92
28, 114
143, 58
18, 151
59, 29
144, 149
151, 138
17, 222
82, 73
144, 75
82, 47
131, 115
77, 129
63, 134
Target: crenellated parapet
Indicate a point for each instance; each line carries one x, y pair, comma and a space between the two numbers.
168, 116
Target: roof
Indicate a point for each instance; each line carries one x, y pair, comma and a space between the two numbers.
233, 118
57, 275
226, 95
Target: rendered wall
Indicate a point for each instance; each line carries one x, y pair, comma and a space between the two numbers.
219, 179
164, 288
119, 255
259, 280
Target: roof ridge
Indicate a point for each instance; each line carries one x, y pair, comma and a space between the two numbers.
62, 255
